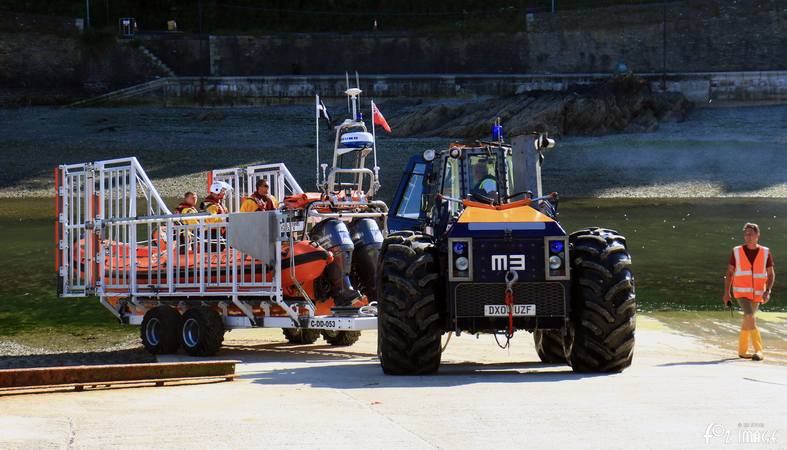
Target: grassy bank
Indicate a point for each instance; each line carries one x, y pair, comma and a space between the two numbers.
679, 247
30, 310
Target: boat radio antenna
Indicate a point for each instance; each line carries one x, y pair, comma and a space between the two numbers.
317, 138
347, 78
358, 85
352, 97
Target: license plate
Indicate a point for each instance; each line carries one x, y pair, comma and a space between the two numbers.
502, 310
291, 226
324, 324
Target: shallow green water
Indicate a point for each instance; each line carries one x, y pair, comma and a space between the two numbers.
679, 247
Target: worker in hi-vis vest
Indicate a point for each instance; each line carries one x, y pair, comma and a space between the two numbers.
750, 274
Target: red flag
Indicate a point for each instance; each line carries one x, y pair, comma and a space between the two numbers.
378, 119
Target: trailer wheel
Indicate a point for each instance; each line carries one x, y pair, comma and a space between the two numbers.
301, 335
160, 330
408, 311
549, 346
601, 338
341, 338
202, 332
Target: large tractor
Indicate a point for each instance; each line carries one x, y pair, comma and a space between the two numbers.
473, 250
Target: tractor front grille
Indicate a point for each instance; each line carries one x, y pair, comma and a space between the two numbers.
549, 297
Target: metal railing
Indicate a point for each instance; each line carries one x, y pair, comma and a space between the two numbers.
88, 194
181, 255
243, 181
117, 238
75, 216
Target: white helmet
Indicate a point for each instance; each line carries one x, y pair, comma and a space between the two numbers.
217, 186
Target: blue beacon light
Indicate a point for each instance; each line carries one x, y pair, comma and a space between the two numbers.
556, 246
459, 248
497, 132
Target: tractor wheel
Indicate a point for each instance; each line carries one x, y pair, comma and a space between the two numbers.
408, 312
341, 338
549, 346
397, 237
601, 335
160, 330
202, 331
301, 335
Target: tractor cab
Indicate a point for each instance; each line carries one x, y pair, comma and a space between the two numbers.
438, 185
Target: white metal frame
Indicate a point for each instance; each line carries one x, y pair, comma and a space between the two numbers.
243, 180
119, 239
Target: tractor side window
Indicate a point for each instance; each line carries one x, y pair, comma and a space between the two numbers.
451, 180
410, 206
510, 175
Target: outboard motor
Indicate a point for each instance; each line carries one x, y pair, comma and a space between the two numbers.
334, 236
368, 240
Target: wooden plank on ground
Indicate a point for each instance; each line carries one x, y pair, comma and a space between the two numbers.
104, 374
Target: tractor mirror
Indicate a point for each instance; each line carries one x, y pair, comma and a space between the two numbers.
543, 142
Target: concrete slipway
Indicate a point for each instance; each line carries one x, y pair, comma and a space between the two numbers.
679, 393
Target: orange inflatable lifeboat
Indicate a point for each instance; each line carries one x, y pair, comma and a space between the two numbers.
310, 262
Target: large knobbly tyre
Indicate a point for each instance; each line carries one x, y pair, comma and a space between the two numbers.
408, 313
160, 330
603, 302
301, 335
202, 332
549, 346
341, 338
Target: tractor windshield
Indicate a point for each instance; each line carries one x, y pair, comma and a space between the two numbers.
490, 174
483, 175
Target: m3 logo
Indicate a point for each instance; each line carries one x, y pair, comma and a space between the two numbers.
508, 262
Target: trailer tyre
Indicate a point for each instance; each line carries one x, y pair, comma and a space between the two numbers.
341, 338
408, 311
601, 334
301, 335
549, 346
203, 331
160, 330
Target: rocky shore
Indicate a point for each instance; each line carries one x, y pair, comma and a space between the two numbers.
698, 157
623, 104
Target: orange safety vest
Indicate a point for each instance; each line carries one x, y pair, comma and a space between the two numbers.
750, 279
